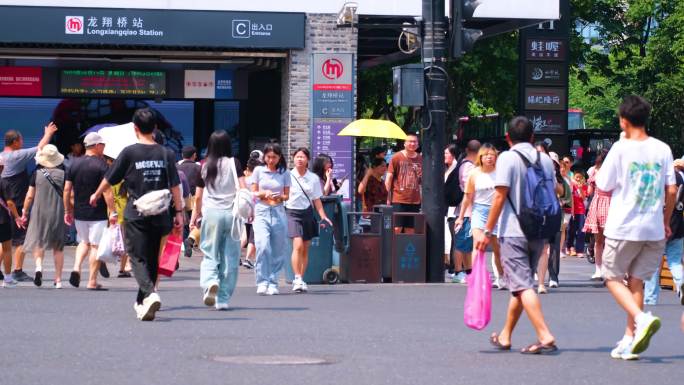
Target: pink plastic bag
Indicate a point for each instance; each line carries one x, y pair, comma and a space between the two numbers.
169, 258
477, 310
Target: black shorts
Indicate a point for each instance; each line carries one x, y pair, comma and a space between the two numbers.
250, 233
5, 231
18, 235
405, 208
301, 224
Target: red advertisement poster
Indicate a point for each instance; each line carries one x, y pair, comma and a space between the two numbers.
21, 81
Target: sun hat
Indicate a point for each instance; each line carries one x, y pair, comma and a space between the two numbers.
554, 157
49, 156
92, 139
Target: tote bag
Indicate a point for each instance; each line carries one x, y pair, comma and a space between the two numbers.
477, 310
169, 258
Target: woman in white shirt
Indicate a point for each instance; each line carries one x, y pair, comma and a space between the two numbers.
214, 199
305, 193
479, 193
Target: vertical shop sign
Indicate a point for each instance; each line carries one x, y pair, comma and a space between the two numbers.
332, 110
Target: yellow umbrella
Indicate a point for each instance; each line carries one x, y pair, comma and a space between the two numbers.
373, 128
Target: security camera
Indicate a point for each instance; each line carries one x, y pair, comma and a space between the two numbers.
346, 15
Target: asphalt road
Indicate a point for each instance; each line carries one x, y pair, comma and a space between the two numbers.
356, 334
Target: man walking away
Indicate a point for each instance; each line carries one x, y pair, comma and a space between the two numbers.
639, 172
192, 170
146, 167
83, 177
15, 180
520, 251
403, 182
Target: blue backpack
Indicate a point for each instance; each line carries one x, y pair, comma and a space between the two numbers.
540, 215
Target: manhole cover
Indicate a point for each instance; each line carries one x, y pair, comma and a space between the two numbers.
271, 360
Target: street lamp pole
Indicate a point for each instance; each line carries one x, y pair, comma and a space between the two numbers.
434, 58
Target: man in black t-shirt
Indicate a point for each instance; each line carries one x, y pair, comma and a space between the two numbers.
145, 166
83, 177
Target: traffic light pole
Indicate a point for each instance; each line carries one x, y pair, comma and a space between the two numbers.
434, 59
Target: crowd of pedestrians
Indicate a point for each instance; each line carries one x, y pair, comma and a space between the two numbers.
612, 207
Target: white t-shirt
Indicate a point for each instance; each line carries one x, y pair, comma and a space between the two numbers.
310, 182
636, 172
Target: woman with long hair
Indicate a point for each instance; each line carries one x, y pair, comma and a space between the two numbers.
323, 167
271, 186
479, 193
598, 214
214, 200
305, 194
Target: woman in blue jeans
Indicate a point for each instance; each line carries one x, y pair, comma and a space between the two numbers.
214, 199
271, 186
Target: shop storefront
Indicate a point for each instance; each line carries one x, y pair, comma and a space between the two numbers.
202, 70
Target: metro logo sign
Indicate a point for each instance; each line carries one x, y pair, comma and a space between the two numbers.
332, 69
73, 25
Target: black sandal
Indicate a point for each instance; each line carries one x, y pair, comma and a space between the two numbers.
539, 348
75, 279
494, 340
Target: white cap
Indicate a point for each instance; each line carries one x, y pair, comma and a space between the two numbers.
92, 139
554, 157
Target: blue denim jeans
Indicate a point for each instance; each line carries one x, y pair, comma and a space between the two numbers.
673, 253
221, 253
270, 240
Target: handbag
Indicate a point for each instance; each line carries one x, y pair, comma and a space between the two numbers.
153, 203
477, 310
243, 205
170, 255
104, 248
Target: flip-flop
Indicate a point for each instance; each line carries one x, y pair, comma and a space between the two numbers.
75, 279
98, 288
539, 348
494, 340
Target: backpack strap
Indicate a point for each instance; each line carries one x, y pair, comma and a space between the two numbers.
52, 182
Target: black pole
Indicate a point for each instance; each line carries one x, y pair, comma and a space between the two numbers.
433, 141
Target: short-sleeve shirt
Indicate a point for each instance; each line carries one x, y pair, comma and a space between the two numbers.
85, 173
145, 168
303, 190
636, 172
274, 181
221, 194
510, 172
16, 161
578, 207
406, 177
375, 194
192, 171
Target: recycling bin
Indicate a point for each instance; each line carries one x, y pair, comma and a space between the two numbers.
362, 261
408, 250
387, 233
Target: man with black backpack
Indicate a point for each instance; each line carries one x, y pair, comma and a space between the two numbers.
525, 199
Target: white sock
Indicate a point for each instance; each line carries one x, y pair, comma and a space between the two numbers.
298, 277
39, 268
639, 317
627, 339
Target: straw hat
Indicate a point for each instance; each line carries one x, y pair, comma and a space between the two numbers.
49, 156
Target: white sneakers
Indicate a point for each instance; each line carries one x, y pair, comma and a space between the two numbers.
553, 284
299, 286
272, 290
623, 350
146, 311
646, 326
262, 288
221, 306
9, 282
209, 298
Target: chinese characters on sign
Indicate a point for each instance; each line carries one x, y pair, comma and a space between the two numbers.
208, 84
546, 74
546, 49
544, 121
545, 99
332, 110
113, 83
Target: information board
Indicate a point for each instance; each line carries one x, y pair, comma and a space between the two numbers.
113, 83
324, 140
